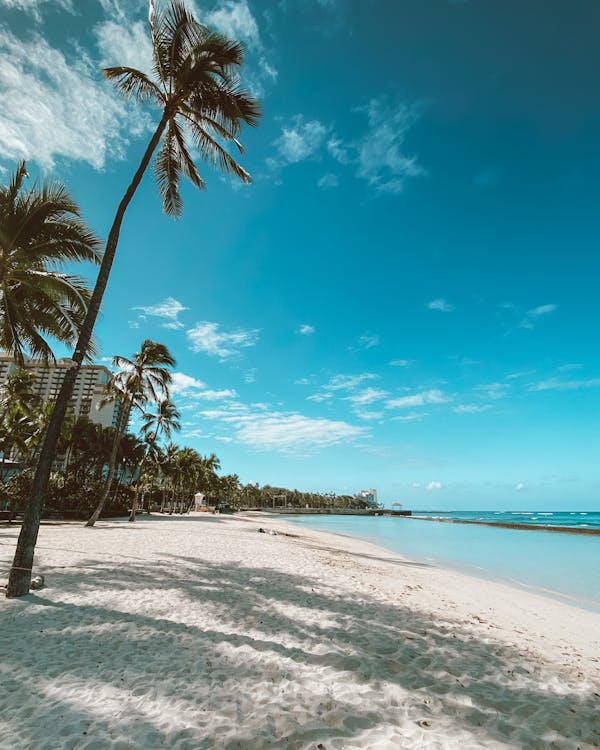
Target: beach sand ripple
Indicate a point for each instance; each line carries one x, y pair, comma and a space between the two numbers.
198, 632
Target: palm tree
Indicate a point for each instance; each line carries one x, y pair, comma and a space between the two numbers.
195, 85
164, 420
40, 229
142, 379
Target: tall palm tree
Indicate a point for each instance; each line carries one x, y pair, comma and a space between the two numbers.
195, 86
144, 378
165, 420
40, 230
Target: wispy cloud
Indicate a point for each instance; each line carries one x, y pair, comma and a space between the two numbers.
555, 384
377, 156
401, 362
382, 161
471, 408
368, 341
366, 396
414, 416
494, 391
168, 310
126, 44
441, 305
348, 382
306, 330
299, 140
286, 432
434, 486
51, 107
329, 180
208, 338
235, 19
35, 7
433, 396
532, 316
188, 386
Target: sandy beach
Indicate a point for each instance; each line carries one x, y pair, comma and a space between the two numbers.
199, 632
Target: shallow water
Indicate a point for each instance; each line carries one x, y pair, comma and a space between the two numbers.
564, 566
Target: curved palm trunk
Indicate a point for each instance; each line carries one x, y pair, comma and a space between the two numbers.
20, 573
112, 465
140, 469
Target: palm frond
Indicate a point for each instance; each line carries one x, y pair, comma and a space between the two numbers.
133, 84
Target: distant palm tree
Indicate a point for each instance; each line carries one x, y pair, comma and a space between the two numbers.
164, 420
196, 88
40, 230
142, 379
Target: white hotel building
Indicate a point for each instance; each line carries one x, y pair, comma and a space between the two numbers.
87, 392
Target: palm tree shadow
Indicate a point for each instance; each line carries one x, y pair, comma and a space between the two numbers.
220, 644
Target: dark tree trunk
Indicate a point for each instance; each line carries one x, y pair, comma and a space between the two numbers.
20, 572
112, 465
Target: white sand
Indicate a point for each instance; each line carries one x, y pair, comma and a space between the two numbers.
199, 632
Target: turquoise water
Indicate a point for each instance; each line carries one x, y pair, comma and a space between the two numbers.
565, 566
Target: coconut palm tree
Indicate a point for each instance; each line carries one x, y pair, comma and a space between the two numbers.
195, 86
40, 230
164, 420
144, 378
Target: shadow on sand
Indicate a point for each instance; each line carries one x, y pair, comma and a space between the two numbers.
266, 643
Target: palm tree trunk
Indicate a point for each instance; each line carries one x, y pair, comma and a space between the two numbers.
20, 573
112, 465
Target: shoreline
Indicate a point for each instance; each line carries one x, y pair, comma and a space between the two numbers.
518, 526
197, 631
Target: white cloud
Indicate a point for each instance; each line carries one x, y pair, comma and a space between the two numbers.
235, 21
207, 337
401, 362
441, 305
338, 151
433, 396
471, 408
366, 396
369, 340
35, 6
211, 395
329, 180
51, 107
126, 44
369, 415
381, 159
250, 375
532, 316
555, 384
319, 397
520, 486
284, 432
168, 309
434, 486
306, 329
300, 140
413, 416
348, 382
494, 391
184, 385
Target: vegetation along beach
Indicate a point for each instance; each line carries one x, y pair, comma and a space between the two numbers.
299, 388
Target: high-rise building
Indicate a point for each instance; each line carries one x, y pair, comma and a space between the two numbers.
370, 496
88, 391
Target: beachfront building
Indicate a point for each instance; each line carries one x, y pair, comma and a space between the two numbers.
87, 393
368, 496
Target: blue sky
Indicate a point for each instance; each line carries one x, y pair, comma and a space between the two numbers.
406, 296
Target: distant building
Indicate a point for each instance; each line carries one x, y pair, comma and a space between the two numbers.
368, 496
87, 393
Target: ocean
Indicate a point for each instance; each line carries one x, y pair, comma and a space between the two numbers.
565, 566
